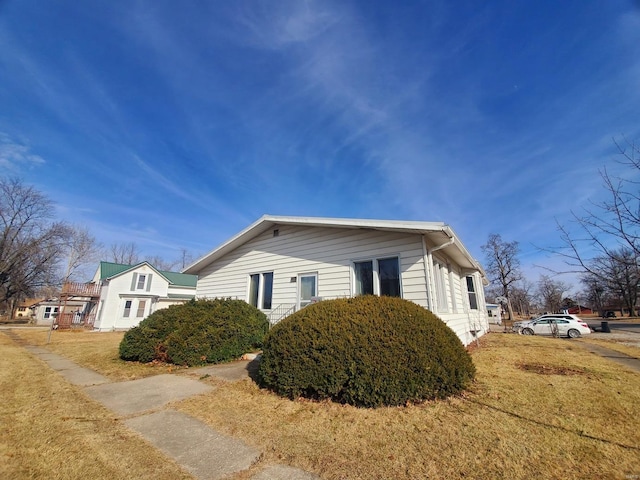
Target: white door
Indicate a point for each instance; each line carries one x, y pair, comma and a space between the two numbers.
307, 288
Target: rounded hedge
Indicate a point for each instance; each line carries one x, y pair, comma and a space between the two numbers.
196, 333
366, 351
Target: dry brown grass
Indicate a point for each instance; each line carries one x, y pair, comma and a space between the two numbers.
51, 430
567, 414
95, 350
540, 408
618, 344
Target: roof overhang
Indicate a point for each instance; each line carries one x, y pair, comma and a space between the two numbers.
439, 235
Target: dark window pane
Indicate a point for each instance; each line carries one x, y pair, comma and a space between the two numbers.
253, 289
473, 302
389, 272
268, 290
364, 277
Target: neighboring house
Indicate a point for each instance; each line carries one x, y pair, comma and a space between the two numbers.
130, 293
494, 312
27, 308
46, 311
282, 264
580, 310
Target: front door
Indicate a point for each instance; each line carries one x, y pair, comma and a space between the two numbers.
307, 288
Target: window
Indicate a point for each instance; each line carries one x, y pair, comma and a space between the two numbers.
127, 309
389, 272
377, 277
50, 311
141, 280
261, 290
473, 301
308, 288
141, 305
364, 277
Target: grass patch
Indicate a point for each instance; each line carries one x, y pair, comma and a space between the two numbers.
539, 408
51, 430
571, 416
95, 350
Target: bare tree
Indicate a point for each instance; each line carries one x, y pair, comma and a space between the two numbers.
521, 297
607, 228
83, 250
160, 263
124, 253
503, 266
31, 243
550, 293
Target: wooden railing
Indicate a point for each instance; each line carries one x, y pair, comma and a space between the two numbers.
65, 321
81, 289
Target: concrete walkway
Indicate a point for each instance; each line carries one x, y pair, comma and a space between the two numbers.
142, 404
628, 361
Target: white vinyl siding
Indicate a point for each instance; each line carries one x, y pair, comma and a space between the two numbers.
332, 253
329, 251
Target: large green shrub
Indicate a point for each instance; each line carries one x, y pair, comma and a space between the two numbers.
365, 351
196, 333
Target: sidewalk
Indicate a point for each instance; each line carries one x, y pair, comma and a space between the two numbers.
141, 405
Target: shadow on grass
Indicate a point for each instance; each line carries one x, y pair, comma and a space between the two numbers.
555, 427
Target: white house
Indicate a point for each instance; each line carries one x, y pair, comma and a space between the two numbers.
130, 293
281, 264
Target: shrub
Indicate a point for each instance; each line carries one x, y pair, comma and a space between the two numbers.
366, 351
196, 333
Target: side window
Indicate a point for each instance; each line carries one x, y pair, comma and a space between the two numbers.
141, 280
471, 289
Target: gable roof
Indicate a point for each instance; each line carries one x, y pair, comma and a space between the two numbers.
108, 270
438, 233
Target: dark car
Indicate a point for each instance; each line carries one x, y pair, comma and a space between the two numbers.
609, 314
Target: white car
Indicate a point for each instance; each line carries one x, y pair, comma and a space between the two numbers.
559, 326
566, 316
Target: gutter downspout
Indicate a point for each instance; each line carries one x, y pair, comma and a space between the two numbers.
427, 282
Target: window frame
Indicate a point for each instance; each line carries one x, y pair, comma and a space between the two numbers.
142, 304
375, 265
127, 308
473, 305
257, 295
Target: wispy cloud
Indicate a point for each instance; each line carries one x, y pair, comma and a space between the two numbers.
15, 156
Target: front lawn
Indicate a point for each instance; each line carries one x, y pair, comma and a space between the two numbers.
539, 408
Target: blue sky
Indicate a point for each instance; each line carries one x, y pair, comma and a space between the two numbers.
177, 124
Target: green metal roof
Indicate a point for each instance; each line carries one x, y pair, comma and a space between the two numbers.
181, 279
108, 270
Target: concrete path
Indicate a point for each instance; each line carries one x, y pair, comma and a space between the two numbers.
199, 449
631, 362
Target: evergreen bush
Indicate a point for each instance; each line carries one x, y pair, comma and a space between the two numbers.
366, 351
196, 333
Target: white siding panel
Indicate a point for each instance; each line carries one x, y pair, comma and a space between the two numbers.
328, 251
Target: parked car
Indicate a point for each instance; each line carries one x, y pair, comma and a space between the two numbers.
559, 326
566, 316
609, 314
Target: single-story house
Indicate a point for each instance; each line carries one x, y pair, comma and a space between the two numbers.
130, 293
281, 264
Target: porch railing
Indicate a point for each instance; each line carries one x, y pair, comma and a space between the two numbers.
81, 289
281, 311
65, 321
